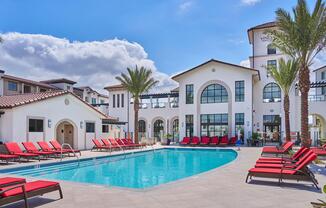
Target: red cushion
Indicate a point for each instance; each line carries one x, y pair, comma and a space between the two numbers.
31, 186
7, 180
13, 147
4, 156
271, 158
271, 170
23, 154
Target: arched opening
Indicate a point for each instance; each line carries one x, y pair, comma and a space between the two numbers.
158, 129
66, 132
271, 49
272, 93
316, 128
175, 130
142, 128
214, 93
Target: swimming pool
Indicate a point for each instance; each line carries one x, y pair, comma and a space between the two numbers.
137, 170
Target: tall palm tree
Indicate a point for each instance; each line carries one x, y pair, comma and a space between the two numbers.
137, 82
301, 36
285, 76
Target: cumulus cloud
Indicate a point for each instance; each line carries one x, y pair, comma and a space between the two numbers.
245, 63
185, 6
250, 2
95, 63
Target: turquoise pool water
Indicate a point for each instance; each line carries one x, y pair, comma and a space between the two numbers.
138, 170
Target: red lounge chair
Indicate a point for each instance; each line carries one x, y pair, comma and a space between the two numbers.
204, 140
224, 141
56, 145
294, 158
278, 150
27, 190
107, 143
127, 143
185, 141
215, 140
122, 144
195, 140
99, 146
30, 147
284, 164
233, 141
114, 143
299, 173
131, 142
46, 148
14, 149
7, 158
10, 181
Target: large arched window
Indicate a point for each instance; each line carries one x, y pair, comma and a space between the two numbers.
271, 49
141, 126
272, 93
214, 93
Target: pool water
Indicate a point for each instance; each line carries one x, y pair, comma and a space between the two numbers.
138, 170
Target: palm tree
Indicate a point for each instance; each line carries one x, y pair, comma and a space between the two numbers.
137, 82
301, 36
284, 76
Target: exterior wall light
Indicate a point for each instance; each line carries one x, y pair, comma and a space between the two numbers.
49, 123
81, 125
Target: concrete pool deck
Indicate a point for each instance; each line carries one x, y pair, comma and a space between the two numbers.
221, 187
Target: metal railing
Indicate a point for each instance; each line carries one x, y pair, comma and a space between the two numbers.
68, 145
316, 98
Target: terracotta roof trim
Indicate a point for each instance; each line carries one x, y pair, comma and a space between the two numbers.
18, 79
216, 61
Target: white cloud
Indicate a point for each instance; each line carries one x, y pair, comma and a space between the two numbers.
250, 2
185, 6
94, 63
245, 63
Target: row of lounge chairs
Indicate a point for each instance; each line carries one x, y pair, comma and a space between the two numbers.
291, 168
15, 153
115, 144
210, 141
17, 189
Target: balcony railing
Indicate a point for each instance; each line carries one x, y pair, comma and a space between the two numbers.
317, 98
159, 105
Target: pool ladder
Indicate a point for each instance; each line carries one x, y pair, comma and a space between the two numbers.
68, 145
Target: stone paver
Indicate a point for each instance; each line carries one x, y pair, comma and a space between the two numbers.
221, 187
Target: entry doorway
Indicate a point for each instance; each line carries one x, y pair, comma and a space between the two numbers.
65, 133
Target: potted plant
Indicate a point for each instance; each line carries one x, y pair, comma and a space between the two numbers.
255, 138
168, 139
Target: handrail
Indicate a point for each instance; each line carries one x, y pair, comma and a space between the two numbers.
68, 145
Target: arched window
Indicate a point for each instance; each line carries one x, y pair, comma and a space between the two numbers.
272, 93
271, 49
141, 126
214, 93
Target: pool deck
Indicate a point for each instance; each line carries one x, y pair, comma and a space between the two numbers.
222, 187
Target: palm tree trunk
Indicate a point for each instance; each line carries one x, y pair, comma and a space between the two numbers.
136, 108
287, 117
304, 86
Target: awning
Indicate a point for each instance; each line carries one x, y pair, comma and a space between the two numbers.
110, 121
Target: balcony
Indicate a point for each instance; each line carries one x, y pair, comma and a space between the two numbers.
159, 101
317, 98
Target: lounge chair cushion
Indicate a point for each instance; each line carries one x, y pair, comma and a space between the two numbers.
272, 171
31, 186
8, 180
4, 156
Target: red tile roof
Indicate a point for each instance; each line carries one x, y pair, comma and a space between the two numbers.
12, 101
27, 81
114, 87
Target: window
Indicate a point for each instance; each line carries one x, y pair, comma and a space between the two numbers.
239, 91
272, 93
87, 99
42, 90
271, 119
118, 100
12, 86
270, 65
214, 93
93, 100
323, 75
323, 90
122, 100
239, 122
113, 101
141, 126
35, 125
271, 49
189, 125
214, 124
105, 128
90, 127
27, 89
68, 87
189, 94
102, 101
